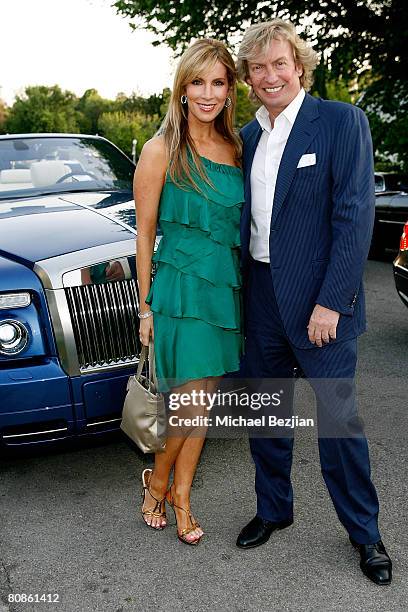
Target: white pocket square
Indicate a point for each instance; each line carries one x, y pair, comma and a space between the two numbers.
309, 159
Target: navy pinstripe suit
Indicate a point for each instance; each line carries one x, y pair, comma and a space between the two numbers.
320, 233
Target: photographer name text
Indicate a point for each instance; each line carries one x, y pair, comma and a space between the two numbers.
240, 421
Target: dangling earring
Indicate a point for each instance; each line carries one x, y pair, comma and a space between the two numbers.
228, 102
183, 99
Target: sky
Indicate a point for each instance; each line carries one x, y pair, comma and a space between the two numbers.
77, 44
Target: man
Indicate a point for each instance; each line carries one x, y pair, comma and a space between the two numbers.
305, 234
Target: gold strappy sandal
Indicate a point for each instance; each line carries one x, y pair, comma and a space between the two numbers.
184, 532
159, 510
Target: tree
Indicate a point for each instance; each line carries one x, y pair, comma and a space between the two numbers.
43, 109
353, 33
122, 128
90, 107
245, 109
166, 95
3, 116
362, 47
386, 105
329, 87
135, 103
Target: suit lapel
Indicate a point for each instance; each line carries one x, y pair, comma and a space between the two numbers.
303, 132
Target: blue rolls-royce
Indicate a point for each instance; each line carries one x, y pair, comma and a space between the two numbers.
68, 295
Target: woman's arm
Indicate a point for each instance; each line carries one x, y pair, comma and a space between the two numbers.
147, 187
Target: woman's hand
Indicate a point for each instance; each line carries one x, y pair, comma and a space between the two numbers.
146, 330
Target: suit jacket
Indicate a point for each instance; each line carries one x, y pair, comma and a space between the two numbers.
322, 216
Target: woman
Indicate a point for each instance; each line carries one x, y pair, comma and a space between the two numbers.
189, 178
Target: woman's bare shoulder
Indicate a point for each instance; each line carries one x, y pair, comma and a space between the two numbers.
155, 148
152, 163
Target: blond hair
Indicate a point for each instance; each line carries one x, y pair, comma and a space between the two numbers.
257, 39
200, 57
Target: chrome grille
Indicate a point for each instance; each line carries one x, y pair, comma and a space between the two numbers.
105, 323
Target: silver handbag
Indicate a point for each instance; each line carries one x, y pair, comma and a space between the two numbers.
144, 412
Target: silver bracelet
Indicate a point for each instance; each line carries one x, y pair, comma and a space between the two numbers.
145, 315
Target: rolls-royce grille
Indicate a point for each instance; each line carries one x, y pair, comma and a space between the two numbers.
105, 323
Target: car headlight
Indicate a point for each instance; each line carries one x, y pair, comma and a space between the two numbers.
13, 337
14, 300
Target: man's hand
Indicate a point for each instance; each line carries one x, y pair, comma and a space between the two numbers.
322, 325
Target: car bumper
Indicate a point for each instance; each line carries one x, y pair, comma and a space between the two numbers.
401, 280
98, 401
40, 404
35, 404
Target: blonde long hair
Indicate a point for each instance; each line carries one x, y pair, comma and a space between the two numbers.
200, 57
258, 38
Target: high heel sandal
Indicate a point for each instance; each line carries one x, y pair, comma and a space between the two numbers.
184, 532
159, 508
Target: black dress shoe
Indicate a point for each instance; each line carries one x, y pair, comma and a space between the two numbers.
258, 531
375, 562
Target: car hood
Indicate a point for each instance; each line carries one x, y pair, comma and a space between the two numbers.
392, 200
47, 226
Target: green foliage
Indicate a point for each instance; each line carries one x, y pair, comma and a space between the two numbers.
329, 87
90, 107
245, 109
337, 89
134, 103
386, 105
43, 109
362, 44
49, 109
121, 128
354, 32
166, 101
3, 116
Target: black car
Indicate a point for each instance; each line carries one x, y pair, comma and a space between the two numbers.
390, 181
401, 267
391, 213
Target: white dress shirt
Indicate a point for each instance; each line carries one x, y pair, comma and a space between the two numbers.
264, 172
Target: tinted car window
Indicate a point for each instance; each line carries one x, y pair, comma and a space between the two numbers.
379, 183
390, 182
396, 182
42, 165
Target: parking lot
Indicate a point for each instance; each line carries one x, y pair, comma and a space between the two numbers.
71, 525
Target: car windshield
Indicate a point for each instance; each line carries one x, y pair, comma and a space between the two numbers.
33, 166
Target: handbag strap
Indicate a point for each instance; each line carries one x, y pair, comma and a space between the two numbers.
148, 352
152, 366
142, 359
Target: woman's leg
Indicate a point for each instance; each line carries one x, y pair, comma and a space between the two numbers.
158, 484
186, 466
186, 463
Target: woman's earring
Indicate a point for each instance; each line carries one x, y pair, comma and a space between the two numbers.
228, 102
183, 99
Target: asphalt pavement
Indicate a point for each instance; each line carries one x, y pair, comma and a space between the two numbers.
71, 526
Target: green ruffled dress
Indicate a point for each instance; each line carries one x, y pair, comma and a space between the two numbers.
195, 295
